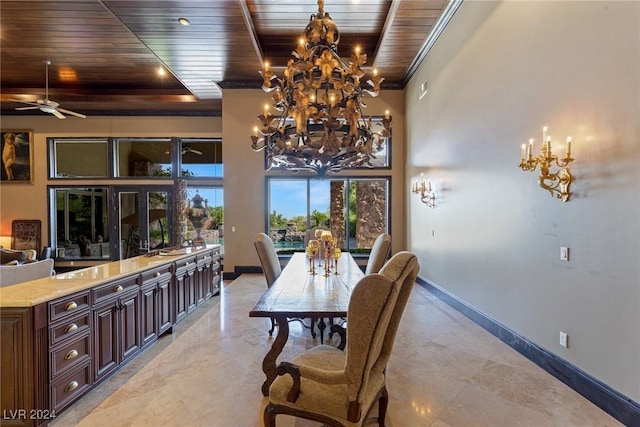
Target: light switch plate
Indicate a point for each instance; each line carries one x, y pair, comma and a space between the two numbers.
564, 253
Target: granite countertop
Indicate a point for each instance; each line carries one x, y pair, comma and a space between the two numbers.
34, 292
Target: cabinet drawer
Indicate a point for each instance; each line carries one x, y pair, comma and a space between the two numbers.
70, 327
185, 266
68, 356
70, 386
67, 306
156, 275
114, 289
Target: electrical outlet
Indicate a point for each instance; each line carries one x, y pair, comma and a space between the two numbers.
564, 253
564, 339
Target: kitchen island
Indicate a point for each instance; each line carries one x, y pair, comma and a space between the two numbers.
63, 334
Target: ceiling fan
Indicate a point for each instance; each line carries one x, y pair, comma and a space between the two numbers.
188, 149
46, 105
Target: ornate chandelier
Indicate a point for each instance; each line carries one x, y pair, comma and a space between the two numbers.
319, 125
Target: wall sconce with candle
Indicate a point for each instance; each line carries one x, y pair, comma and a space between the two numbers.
556, 183
424, 189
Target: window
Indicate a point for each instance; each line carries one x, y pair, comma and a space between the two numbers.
143, 157
79, 158
201, 158
142, 217
81, 219
356, 210
135, 157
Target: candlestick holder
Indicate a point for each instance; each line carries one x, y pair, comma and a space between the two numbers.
312, 250
326, 239
556, 183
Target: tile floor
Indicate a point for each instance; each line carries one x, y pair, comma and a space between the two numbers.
445, 371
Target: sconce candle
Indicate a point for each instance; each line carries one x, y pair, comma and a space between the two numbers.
556, 183
427, 195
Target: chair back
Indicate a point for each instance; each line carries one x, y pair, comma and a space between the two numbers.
379, 253
390, 269
370, 312
268, 258
46, 252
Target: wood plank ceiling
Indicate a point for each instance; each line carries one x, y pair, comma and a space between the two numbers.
105, 54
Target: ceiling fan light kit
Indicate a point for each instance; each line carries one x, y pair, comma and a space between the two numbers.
46, 105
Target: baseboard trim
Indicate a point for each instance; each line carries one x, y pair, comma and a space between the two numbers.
609, 400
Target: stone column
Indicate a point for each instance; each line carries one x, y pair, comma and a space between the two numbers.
370, 211
336, 211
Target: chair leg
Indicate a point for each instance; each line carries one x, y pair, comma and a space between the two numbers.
273, 327
382, 407
269, 417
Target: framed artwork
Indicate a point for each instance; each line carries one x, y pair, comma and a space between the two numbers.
25, 234
17, 156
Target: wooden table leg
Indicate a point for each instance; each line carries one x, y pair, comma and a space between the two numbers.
269, 362
321, 328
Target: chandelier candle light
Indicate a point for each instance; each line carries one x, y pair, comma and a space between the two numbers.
556, 183
319, 126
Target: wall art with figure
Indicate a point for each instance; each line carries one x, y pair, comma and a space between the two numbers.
17, 156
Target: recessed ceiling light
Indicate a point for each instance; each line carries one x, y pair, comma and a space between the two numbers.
161, 71
184, 21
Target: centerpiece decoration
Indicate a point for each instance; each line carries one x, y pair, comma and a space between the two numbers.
198, 214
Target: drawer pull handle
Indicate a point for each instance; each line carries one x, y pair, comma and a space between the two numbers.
157, 274
118, 288
71, 386
71, 355
72, 327
71, 306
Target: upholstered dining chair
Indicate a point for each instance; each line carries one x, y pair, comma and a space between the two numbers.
379, 253
270, 263
271, 267
339, 388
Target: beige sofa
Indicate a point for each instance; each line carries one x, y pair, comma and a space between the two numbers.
12, 274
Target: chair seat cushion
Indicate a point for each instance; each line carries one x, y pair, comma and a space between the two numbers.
328, 400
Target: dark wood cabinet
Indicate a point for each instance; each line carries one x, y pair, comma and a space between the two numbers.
185, 289
116, 319
54, 352
207, 274
155, 303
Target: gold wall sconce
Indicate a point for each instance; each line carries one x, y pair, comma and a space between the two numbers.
424, 189
556, 183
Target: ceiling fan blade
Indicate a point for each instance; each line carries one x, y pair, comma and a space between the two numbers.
24, 102
73, 113
58, 114
27, 108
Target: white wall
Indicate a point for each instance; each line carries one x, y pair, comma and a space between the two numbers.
499, 73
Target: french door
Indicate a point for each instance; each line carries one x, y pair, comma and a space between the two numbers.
142, 219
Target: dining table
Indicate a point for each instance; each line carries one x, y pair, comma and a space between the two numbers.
300, 293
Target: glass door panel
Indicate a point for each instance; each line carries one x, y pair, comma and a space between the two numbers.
144, 220
130, 243
157, 223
